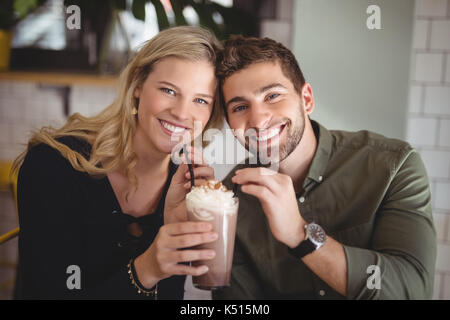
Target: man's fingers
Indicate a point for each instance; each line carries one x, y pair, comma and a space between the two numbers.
258, 176
260, 192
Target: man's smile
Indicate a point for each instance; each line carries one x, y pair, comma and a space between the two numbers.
269, 133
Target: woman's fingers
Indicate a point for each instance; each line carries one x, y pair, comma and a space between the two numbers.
190, 255
190, 240
195, 156
201, 172
197, 183
177, 236
181, 269
180, 228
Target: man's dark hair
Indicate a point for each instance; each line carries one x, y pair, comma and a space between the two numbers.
240, 52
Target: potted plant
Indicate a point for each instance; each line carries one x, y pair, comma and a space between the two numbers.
11, 12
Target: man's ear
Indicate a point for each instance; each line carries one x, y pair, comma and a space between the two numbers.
308, 98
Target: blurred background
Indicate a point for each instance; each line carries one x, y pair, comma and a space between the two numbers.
374, 65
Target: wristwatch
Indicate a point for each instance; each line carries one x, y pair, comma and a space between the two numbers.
315, 238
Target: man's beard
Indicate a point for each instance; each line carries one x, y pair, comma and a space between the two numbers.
293, 137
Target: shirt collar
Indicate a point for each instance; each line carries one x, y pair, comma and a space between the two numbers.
320, 161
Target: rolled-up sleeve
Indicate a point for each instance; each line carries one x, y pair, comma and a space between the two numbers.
403, 244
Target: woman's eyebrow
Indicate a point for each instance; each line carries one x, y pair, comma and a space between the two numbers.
167, 83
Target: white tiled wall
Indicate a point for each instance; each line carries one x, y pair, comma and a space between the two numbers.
429, 119
27, 106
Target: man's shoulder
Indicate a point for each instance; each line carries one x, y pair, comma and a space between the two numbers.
371, 142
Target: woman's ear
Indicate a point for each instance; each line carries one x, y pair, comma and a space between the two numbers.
137, 92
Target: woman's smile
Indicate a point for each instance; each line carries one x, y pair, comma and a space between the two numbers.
172, 129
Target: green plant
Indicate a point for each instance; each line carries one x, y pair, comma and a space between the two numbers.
12, 11
234, 20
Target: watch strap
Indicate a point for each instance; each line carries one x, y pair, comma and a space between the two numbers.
305, 247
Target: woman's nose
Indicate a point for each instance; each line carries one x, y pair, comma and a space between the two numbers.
181, 110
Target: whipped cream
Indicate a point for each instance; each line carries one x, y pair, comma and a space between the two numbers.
209, 199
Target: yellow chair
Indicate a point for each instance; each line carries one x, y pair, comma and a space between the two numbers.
8, 183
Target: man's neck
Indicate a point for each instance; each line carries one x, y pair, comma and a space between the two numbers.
297, 164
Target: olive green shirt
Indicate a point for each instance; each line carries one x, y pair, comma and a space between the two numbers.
369, 193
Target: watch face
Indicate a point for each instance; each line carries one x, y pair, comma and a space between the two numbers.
316, 234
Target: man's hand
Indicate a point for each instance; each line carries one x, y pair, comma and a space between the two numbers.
276, 193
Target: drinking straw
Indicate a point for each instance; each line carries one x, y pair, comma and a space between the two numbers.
235, 189
191, 171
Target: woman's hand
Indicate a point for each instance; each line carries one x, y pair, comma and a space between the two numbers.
175, 204
161, 260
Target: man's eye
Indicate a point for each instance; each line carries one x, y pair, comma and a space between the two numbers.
168, 91
239, 108
273, 96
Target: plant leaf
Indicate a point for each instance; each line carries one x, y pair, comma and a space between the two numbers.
22, 7
177, 8
205, 14
163, 21
138, 9
119, 4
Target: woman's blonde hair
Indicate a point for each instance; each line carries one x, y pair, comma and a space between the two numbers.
111, 132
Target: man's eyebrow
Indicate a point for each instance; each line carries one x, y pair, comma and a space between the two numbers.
167, 83
258, 91
270, 86
235, 99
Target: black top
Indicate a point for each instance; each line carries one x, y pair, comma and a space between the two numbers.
68, 218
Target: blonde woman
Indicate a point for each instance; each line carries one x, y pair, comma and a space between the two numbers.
101, 204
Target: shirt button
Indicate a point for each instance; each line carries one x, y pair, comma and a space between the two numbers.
322, 292
115, 211
320, 178
302, 199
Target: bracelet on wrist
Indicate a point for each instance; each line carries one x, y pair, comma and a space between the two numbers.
153, 292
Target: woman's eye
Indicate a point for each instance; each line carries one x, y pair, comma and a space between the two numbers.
201, 101
239, 108
168, 91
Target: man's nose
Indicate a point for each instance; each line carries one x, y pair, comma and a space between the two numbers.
259, 116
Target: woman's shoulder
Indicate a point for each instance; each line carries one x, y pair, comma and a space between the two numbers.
45, 157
